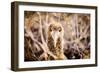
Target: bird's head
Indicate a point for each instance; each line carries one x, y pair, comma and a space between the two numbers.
56, 31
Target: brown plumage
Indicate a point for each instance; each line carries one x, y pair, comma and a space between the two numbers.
55, 40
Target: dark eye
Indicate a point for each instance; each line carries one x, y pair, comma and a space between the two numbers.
60, 29
50, 28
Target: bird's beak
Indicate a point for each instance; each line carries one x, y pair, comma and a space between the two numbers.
55, 35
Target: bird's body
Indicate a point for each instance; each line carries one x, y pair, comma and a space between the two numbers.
55, 40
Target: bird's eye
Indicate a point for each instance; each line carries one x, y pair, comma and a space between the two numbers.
50, 28
59, 29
